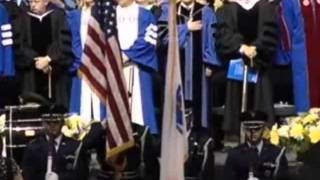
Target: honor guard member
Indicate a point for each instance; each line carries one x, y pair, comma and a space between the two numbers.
137, 163
311, 164
9, 170
256, 159
200, 164
53, 156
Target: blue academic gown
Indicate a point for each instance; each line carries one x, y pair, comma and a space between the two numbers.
209, 56
293, 51
6, 41
144, 55
74, 20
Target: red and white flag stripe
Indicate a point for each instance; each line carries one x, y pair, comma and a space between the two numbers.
102, 69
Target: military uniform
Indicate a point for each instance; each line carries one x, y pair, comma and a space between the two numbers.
311, 164
200, 164
268, 163
139, 162
8, 169
68, 162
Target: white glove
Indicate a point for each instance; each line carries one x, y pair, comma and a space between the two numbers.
253, 178
51, 176
2, 122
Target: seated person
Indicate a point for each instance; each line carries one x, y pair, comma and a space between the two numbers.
255, 159
9, 170
200, 163
53, 155
137, 163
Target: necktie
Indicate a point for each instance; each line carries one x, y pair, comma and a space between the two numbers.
53, 152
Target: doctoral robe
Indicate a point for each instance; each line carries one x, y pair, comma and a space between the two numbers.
311, 15
258, 27
45, 35
197, 52
84, 101
137, 32
292, 50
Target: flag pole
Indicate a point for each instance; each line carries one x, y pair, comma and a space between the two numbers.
244, 97
174, 145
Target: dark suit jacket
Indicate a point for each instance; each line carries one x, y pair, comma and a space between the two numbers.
311, 164
34, 164
239, 159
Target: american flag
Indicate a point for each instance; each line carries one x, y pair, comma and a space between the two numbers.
102, 68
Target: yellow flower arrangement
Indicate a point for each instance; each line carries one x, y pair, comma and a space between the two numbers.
274, 135
283, 131
314, 134
296, 131
310, 118
75, 127
299, 133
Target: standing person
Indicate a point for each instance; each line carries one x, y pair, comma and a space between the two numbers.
256, 159
151, 5
138, 48
64, 4
6, 55
291, 55
68, 161
45, 52
9, 170
6, 39
248, 30
83, 100
137, 163
196, 29
311, 14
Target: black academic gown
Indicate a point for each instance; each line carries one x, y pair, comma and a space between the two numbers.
256, 27
49, 37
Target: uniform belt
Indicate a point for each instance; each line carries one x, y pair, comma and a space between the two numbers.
191, 178
126, 175
128, 64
